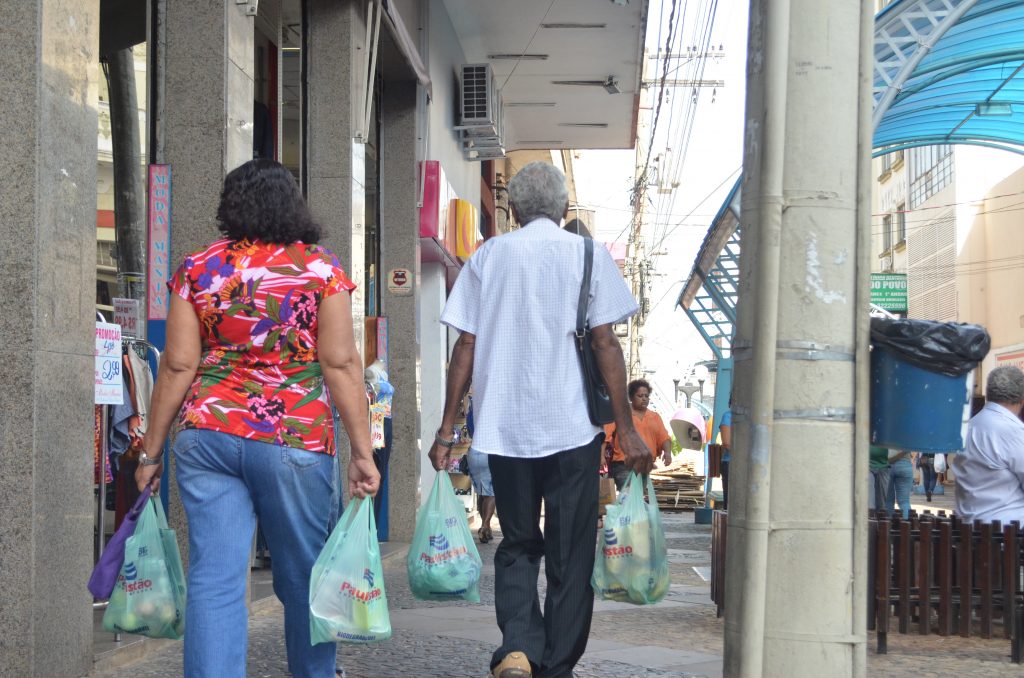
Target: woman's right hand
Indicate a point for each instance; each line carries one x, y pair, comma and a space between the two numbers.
363, 478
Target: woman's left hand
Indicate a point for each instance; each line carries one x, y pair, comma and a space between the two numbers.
149, 475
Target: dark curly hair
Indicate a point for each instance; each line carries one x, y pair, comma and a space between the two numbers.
260, 201
638, 384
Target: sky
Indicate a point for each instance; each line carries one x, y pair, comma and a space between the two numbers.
678, 219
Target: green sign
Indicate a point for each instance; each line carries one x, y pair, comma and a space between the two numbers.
889, 291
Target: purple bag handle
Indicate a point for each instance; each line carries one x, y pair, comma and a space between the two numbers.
104, 575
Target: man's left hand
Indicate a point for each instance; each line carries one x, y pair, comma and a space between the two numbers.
666, 458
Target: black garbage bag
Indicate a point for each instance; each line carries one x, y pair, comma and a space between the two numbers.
952, 349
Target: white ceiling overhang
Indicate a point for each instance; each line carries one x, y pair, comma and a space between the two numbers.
579, 40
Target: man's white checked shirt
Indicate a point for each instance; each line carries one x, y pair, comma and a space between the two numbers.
518, 294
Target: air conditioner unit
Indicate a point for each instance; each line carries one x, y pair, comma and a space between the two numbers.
620, 330
478, 100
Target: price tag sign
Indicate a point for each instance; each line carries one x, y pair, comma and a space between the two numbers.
109, 388
128, 315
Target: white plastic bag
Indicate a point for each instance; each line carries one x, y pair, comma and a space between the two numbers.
940, 463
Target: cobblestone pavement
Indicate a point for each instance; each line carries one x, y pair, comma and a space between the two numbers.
679, 637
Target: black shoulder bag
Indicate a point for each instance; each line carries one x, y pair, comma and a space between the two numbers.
599, 403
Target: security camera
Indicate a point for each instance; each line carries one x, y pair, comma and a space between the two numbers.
621, 3
611, 85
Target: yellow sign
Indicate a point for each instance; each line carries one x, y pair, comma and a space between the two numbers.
467, 229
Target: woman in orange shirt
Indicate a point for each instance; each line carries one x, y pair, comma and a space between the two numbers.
648, 424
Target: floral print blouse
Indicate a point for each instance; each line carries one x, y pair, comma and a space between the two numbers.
257, 306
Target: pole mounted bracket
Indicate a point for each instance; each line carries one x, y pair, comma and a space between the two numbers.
250, 6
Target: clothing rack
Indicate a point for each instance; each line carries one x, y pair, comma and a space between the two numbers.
128, 342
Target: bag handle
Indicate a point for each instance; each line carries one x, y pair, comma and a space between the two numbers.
581, 307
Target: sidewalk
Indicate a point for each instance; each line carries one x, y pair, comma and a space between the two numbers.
679, 637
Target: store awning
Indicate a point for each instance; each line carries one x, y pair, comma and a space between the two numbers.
946, 72
949, 72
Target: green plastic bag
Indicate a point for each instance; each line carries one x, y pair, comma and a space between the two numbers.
347, 602
147, 599
631, 564
443, 562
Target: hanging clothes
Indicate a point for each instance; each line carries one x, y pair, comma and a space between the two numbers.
97, 452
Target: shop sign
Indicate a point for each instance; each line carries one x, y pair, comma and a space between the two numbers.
159, 232
127, 315
1011, 355
400, 282
889, 291
467, 228
109, 387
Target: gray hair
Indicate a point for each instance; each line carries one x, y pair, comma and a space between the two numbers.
538, 190
1005, 385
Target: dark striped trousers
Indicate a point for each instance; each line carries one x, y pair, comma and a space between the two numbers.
568, 484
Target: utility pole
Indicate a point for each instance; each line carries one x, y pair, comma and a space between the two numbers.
797, 510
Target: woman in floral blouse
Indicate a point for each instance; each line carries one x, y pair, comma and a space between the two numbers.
259, 334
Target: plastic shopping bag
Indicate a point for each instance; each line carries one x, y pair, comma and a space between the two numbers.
443, 561
146, 601
172, 556
108, 567
631, 564
939, 463
347, 602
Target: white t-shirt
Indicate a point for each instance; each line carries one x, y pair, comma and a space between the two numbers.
518, 295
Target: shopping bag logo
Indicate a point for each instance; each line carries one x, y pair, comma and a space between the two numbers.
445, 552
609, 537
369, 595
130, 572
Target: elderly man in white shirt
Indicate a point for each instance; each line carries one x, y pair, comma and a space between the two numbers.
515, 306
990, 470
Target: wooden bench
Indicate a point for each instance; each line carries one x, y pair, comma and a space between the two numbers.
932, 572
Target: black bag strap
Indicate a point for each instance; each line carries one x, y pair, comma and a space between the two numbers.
581, 308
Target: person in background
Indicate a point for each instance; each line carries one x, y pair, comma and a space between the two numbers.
260, 322
901, 481
725, 431
878, 489
990, 470
514, 305
480, 474
648, 424
926, 462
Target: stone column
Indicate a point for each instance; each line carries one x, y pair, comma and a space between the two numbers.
209, 125
48, 102
335, 160
400, 249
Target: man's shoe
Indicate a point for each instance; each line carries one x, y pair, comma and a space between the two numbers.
514, 665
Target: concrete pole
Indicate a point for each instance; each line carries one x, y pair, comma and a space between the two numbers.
794, 578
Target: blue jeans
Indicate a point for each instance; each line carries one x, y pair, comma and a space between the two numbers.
901, 483
226, 482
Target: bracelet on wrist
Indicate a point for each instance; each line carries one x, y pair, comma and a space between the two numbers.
146, 460
444, 442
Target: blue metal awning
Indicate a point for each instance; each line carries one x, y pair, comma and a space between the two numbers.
949, 72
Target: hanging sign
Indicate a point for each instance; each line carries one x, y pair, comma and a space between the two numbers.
127, 315
400, 282
109, 383
889, 291
159, 231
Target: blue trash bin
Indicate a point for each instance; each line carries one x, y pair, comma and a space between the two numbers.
913, 408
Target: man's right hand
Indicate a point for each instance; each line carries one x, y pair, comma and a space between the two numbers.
440, 456
638, 455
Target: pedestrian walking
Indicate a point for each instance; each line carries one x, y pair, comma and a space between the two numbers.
648, 424
901, 482
514, 305
926, 462
259, 322
878, 489
725, 432
480, 474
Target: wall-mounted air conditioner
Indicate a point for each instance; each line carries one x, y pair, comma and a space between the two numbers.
480, 113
